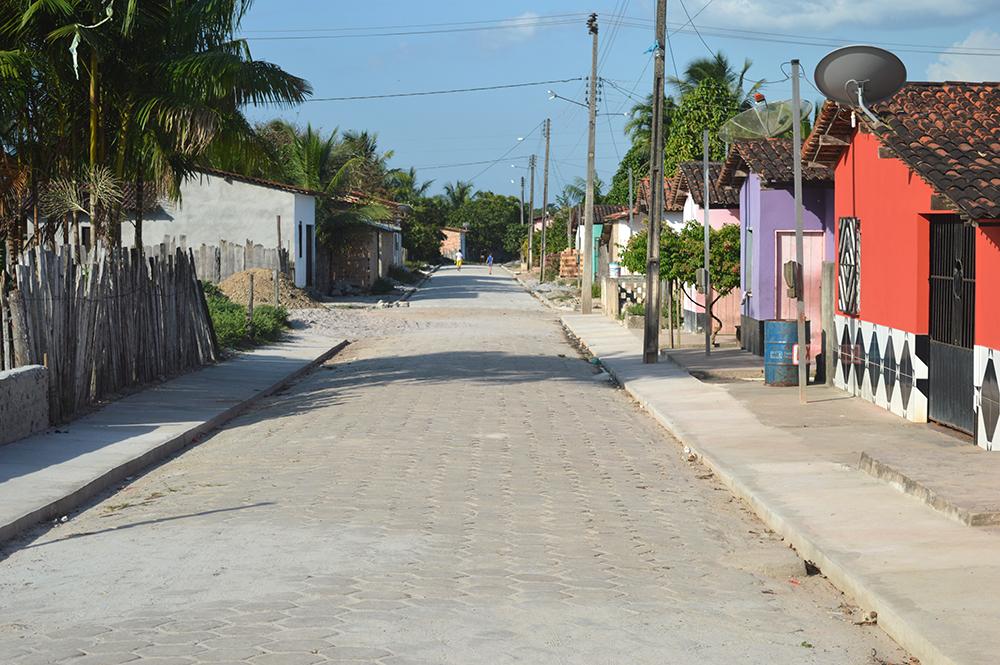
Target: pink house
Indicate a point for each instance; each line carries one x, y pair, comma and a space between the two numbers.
723, 209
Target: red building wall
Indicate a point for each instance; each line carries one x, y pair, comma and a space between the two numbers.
987, 282
891, 202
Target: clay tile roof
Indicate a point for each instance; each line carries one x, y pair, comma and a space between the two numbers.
949, 133
692, 180
771, 159
262, 182
602, 211
670, 184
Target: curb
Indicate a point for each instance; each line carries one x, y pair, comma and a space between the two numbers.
889, 619
538, 296
409, 294
139, 464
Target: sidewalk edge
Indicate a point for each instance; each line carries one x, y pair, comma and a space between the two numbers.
136, 465
889, 619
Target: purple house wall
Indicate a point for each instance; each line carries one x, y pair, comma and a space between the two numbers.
762, 170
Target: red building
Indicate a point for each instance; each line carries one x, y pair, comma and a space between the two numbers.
917, 202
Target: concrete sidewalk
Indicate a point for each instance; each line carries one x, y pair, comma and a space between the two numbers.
932, 580
47, 475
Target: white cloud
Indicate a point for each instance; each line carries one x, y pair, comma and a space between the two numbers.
820, 15
951, 67
518, 29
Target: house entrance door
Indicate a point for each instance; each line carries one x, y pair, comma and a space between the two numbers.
952, 314
309, 254
812, 276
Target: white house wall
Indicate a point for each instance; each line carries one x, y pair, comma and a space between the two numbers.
213, 208
304, 214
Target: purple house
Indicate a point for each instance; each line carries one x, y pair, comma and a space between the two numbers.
762, 170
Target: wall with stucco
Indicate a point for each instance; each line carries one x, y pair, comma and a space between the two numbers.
214, 208
764, 212
24, 402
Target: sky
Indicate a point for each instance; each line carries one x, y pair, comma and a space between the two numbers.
349, 48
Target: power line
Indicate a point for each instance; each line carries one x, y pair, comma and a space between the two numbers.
457, 164
441, 92
517, 21
506, 154
509, 25
691, 22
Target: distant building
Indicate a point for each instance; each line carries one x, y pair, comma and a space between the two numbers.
454, 240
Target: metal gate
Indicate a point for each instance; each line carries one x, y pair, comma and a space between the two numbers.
952, 314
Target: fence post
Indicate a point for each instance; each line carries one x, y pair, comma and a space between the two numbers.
277, 289
19, 329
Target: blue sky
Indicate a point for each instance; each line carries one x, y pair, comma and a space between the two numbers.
435, 131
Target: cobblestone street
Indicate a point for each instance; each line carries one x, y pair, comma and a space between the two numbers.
465, 489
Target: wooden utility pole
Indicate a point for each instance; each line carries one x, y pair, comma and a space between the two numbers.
708, 249
545, 192
522, 204
588, 206
651, 334
531, 214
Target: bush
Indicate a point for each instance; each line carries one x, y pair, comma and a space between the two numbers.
230, 320
595, 290
635, 309
383, 285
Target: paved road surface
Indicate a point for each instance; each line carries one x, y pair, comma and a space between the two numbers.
463, 491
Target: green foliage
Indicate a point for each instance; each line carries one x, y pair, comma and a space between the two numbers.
595, 290
555, 236
706, 107
230, 320
382, 286
719, 70
637, 158
422, 234
682, 254
635, 309
494, 225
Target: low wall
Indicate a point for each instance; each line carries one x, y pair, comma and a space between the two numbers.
24, 402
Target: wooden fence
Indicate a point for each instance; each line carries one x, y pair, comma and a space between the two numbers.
216, 263
103, 323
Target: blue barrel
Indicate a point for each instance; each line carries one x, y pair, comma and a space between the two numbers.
780, 337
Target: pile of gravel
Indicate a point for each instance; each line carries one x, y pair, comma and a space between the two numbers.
237, 288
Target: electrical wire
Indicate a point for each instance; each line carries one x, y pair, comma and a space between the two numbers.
509, 24
506, 154
441, 92
691, 22
515, 20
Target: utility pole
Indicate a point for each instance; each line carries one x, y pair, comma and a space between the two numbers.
588, 207
545, 193
800, 304
522, 202
708, 252
531, 214
651, 334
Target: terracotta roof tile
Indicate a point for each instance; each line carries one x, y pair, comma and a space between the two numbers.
771, 159
948, 133
692, 180
670, 194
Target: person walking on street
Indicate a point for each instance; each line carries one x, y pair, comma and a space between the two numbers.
458, 260
489, 262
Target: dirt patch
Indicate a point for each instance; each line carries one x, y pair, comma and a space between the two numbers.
237, 287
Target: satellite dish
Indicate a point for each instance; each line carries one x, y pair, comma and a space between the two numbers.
860, 75
763, 121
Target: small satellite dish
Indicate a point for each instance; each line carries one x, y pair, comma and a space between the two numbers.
763, 121
860, 75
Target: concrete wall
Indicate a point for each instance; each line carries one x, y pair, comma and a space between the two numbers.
304, 208
213, 208
454, 241
24, 402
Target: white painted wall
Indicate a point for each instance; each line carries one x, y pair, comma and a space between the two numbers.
304, 214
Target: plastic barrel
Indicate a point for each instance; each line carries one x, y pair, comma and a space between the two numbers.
614, 270
780, 337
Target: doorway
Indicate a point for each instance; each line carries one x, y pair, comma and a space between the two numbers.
952, 319
812, 278
309, 254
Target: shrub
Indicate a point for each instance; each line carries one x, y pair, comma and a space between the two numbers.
230, 320
635, 309
268, 323
383, 285
595, 290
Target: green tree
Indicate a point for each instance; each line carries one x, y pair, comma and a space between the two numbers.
639, 126
683, 253
706, 107
422, 234
637, 159
717, 69
457, 194
575, 193
494, 225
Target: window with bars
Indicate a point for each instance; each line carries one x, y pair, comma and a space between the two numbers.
849, 265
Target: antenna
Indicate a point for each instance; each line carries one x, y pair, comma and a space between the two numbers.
860, 75
764, 120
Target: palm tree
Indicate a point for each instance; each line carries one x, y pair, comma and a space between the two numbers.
458, 193
639, 126
404, 187
717, 68
575, 193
